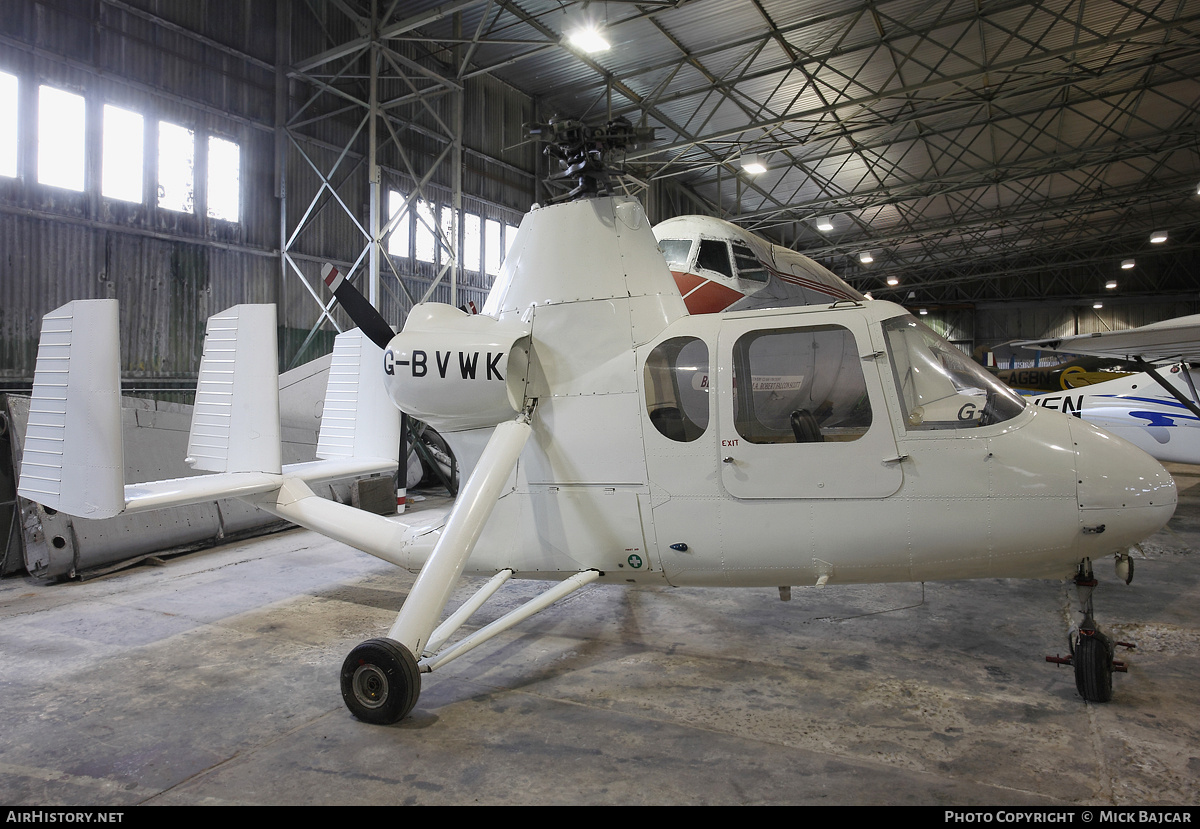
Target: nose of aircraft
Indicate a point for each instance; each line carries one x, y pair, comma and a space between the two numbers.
1124, 494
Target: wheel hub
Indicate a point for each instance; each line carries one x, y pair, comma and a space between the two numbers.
370, 686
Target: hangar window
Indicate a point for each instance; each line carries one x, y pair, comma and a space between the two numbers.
939, 386
398, 221
426, 243
176, 167
492, 249
510, 233
224, 179
60, 138
8, 124
677, 252
799, 385
472, 242
122, 154
448, 240
676, 380
714, 256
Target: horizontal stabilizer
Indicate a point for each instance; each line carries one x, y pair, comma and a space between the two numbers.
73, 460
235, 422
359, 419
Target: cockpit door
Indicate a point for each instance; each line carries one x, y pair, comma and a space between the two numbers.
801, 409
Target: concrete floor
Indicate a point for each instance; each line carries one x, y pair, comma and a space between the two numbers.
213, 680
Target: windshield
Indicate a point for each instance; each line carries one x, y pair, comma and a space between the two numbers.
677, 252
939, 386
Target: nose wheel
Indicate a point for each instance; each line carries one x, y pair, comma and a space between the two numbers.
380, 681
1091, 651
1092, 659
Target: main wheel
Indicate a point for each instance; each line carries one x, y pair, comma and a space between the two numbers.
380, 681
1093, 661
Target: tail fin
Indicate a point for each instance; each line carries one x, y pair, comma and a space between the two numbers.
73, 459
235, 423
359, 420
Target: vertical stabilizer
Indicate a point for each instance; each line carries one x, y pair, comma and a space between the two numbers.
73, 459
359, 419
235, 423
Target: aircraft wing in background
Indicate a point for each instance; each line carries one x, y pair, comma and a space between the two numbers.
1169, 341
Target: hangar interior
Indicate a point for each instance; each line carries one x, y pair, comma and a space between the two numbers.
999, 167
1000, 161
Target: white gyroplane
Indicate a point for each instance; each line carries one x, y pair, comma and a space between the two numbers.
606, 435
1157, 409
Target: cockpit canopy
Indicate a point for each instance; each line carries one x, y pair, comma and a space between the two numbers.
718, 266
939, 386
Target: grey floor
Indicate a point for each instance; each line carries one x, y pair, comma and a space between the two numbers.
213, 680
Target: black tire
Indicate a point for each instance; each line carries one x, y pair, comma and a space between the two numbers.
1093, 661
380, 681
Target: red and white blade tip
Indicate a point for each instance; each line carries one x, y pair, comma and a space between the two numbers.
332, 277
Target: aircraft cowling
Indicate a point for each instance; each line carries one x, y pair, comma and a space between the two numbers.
455, 370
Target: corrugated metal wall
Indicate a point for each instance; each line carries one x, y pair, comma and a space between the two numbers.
170, 270
210, 66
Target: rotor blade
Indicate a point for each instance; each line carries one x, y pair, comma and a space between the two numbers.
364, 315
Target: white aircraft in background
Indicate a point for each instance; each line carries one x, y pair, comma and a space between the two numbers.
718, 266
606, 435
1157, 410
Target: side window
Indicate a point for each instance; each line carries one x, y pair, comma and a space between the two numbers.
748, 265
677, 252
799, 385
714, 256
676, 381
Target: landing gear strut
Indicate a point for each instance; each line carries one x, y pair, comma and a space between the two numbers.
381, 679
1091, 650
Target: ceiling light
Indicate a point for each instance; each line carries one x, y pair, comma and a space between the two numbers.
589, 39
1126, 264
924, 311
866, 258
1158, 237
1110, 284
824, 225
1097, 304
893, 281
753, 165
